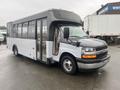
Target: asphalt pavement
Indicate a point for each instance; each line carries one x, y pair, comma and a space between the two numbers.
21, 73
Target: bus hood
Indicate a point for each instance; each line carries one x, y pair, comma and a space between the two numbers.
91, 42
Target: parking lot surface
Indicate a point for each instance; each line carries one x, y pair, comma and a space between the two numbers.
21, 73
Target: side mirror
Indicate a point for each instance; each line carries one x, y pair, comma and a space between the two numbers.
66, 33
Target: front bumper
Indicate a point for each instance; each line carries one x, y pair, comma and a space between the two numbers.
92, 65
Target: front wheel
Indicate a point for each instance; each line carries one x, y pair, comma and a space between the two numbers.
69, 65
15, 51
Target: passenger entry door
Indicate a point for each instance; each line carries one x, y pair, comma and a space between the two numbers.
41, 39
39, 48
44, 39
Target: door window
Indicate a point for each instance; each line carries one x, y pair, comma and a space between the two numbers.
39, 54
56, 42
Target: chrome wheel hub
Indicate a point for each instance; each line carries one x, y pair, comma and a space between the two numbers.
67, 64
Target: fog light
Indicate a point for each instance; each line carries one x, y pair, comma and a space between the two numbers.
89, 56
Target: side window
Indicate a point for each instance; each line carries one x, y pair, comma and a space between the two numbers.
24, 30
9, 29
56, 42
31, 30
19, 30
14, 31
38, 29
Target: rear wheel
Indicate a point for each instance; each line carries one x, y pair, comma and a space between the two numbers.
69, 65
15, 51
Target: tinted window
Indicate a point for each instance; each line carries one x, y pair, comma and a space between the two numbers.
9, 29
24, 30
19, 30
14, 31
31, 30
44, 29
38, 29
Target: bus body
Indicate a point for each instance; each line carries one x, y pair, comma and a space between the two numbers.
56, 36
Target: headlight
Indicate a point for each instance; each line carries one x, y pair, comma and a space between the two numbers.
88, 49
89, 53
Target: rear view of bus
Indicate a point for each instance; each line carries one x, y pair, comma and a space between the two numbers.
57, 36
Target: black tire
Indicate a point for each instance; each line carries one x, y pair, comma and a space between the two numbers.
15, 51
65, 66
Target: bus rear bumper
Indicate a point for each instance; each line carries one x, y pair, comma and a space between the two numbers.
94, 65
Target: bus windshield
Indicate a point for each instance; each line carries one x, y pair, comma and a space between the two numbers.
75, 31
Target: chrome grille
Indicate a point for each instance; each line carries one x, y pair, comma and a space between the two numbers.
101, 48
102, 55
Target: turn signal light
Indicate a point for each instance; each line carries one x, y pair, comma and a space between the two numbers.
89, 56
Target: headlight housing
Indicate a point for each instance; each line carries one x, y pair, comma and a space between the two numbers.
88, 53
88, 50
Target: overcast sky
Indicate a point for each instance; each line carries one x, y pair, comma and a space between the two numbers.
15, 9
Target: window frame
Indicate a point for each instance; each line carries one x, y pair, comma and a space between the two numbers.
29, 37
20, 24
14, 31
22, 35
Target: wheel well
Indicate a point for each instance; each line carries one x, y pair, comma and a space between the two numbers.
14, 46
64, 54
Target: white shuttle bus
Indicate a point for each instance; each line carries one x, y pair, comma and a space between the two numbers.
56, 36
